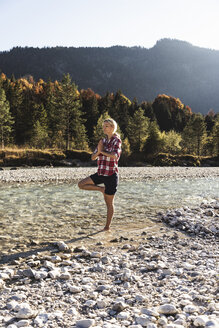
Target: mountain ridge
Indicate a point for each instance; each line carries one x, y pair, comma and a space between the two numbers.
172, 67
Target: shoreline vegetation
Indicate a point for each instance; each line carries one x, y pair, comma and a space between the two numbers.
25, 157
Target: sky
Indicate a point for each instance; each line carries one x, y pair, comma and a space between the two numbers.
106, 23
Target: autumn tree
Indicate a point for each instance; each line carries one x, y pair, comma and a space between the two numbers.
171, 113
90, 110
6, 120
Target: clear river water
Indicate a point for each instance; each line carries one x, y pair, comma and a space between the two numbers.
52, 211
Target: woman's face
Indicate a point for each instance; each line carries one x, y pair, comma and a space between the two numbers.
107, 128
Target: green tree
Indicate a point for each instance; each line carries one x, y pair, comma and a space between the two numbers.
171, 141
49, 102
138, 130
106, 103
68, 116
154, 142
195, 135
120, 111
15, 98
39, 138
215, 139
210, 120
6, 120
148, 110
126, 150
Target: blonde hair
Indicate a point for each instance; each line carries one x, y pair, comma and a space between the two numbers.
112, 123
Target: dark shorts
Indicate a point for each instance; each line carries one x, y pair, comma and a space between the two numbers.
110, 182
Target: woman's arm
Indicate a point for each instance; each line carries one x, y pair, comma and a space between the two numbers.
98, 152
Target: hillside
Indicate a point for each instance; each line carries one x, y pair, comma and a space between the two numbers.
172, 67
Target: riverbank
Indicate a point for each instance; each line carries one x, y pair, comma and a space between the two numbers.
17, 157
126, 173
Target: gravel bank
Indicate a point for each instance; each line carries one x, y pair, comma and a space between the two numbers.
163, 281
75, 174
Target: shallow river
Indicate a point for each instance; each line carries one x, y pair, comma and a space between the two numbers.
51, 211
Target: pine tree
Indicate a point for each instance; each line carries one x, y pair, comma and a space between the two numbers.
154, 142
39, 138
106, 103
69, 122
120, 111
194, 135
49, 102
215, 137
6, 120
138, 130
15, 98
148, 110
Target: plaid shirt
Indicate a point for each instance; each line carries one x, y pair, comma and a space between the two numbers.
107, 165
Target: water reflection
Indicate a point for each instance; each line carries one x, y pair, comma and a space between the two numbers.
48, 211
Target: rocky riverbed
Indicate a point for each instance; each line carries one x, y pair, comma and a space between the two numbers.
155, 280
163, 277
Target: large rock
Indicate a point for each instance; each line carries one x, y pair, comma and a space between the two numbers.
25, 312
85, 323
167, 309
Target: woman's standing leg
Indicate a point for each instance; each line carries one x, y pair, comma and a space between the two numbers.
109, 200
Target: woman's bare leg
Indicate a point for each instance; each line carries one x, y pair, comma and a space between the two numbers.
109, 200
88, 184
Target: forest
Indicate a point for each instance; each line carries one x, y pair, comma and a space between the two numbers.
56, 115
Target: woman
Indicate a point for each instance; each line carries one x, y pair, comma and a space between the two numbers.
107, 154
